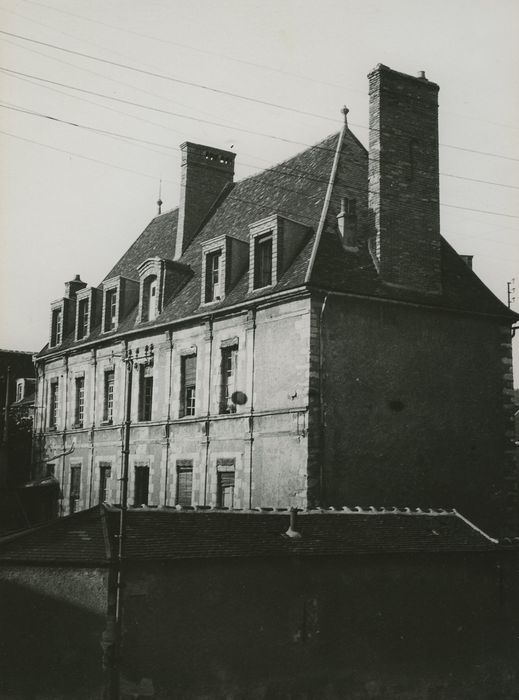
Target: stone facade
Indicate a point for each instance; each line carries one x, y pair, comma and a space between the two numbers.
313, 342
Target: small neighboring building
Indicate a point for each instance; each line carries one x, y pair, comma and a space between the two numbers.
259, 604
304, 336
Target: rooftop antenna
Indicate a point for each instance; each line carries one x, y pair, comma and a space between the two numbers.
159, 200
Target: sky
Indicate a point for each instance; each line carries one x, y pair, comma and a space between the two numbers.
134, 79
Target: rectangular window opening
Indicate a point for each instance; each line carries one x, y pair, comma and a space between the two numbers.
79, 412
213, 281
184, 482
75, 488
263, 261
108, 408
57, 326
53, 405
188, 388
228, 379
145, 393
105, 472
110, 310
142, 482
83, 319
225, 489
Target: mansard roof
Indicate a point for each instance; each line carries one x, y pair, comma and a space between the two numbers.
297, 189
167, 534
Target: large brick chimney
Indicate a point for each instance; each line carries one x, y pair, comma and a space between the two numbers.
205, 171
404, 178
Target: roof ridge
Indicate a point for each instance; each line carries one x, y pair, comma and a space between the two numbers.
326, 204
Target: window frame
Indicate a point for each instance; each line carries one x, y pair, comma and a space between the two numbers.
56, 331
79, 402
83, 318
53, 404
184, 466
111, 309
260, 242
228, 376
145, 409
108, 396
74, 488
188, 390
139, 471
105, 473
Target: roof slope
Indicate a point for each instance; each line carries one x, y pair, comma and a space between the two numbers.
296, 189
163, 534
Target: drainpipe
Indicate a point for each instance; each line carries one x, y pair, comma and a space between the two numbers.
93, 362
6, 407
207, 422
168, 418
251, 417
321, 401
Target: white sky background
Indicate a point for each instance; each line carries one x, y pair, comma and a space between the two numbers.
61, 214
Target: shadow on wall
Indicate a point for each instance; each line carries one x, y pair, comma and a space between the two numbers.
49, 649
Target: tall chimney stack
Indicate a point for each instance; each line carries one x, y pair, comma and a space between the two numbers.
205, 172
404, 178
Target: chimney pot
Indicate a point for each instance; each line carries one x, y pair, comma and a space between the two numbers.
421, 75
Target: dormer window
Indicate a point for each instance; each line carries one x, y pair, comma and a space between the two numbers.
149, 298
213, 276
274, 243
224, 260
83, 318
19, 390
110, 310
56, 326
263, 261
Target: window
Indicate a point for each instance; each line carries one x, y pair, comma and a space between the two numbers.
79, 412
108, 410
149, 298
184, 482
225, 495
75, 488
213, 291
53, 405
188, 381
19, 390
105, 472
263, 261
83, 316
51, 470
57, 327
228, 378
110, 309
145, 393
142, 479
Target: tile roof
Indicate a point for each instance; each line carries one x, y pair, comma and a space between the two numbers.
162, 534
295, 189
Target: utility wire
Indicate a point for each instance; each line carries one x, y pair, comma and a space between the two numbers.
273, 185
170, 78
174, 148
253, 64
197, 49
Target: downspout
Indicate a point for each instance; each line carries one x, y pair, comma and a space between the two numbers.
92, 429
321, 401
251, 417
5, 434
168, 418
207, 422
64, 436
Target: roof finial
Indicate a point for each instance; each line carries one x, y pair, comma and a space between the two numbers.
159, 200
345, 111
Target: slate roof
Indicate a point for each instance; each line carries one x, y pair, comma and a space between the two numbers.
295, 189
164, 534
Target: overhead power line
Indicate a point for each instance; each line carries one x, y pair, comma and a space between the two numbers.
225, 92
302, 176
130, 138
170, 78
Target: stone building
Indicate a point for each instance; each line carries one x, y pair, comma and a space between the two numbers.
302, 337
